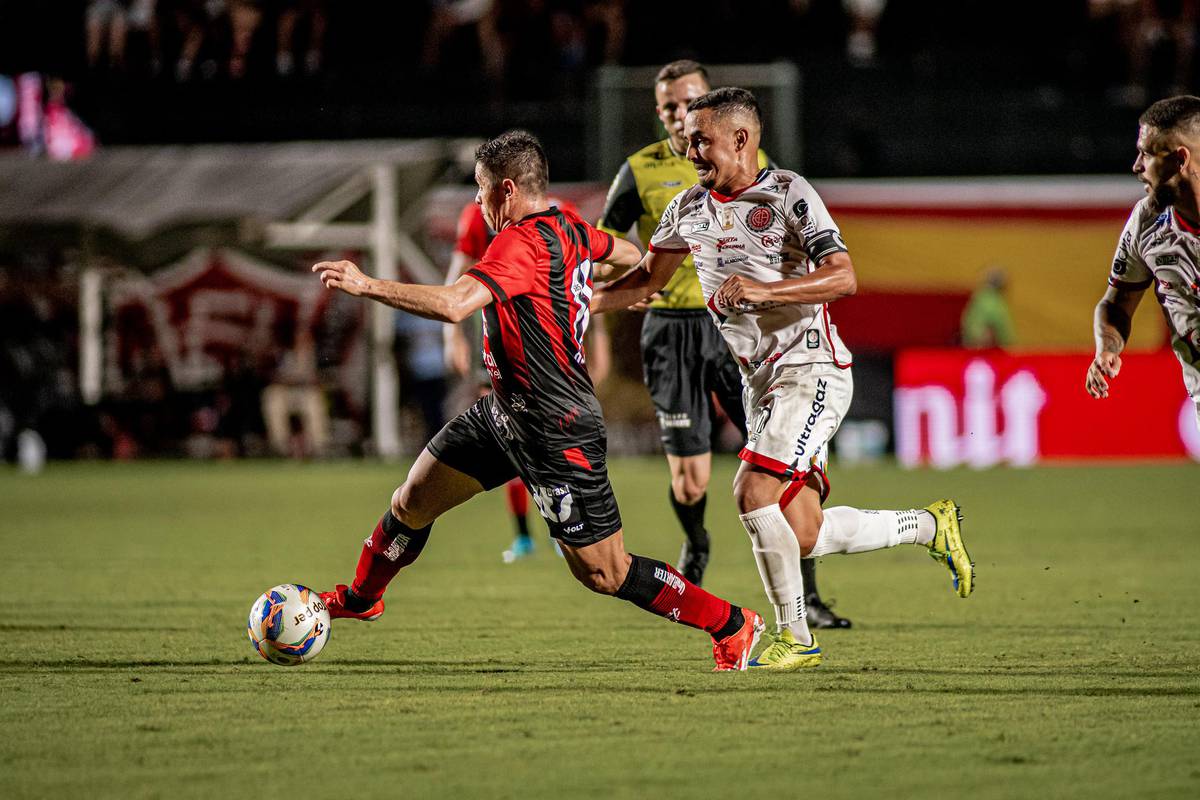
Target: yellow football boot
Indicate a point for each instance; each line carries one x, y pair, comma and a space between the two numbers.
947, 546
787, 655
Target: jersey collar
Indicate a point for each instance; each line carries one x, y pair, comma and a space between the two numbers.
546, 212
1183, 223
725, 198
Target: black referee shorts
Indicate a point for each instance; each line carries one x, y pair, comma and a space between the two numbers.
569, 483
684, 363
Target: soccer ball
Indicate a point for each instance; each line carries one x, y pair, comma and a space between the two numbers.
289, 624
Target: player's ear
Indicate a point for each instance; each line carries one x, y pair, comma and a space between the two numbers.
510, 188
740, 138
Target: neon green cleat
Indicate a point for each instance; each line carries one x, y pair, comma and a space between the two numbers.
947, 546
785, 654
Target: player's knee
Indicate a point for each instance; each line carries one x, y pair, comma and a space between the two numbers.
600, 580
688, 489
403, 509
750, 494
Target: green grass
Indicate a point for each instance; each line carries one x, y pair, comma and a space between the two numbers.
1074, 670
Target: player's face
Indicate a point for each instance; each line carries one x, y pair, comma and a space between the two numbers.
490, 197
712, 148
1157, 166
672, 98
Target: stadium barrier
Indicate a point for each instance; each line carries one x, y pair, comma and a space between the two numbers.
981, 409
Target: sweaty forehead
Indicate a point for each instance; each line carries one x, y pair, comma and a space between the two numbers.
705, 121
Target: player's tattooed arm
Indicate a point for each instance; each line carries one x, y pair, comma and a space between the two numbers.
833, 278
650, 275
452, 303
1112, 324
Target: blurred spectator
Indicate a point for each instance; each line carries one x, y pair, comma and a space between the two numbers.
66, 137
422, 368
1170, 23
294, 390
291, 12
986, 321
194, 21
244, 18
862, 43
105, 26
449, 18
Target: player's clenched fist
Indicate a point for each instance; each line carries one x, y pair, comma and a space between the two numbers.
344, 275
1104, 365
738, 289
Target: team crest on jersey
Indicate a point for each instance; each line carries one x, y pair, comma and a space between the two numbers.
760, 218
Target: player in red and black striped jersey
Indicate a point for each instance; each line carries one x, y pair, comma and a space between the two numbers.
541, 422
472, 241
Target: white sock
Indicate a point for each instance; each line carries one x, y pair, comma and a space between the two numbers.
853, 530
777, 554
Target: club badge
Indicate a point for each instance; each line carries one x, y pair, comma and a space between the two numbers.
760, 218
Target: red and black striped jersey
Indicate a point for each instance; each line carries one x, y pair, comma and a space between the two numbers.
539, 271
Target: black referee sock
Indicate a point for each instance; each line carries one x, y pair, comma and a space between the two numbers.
808, 571
691, 518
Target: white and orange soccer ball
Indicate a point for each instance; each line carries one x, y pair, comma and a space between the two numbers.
288, 624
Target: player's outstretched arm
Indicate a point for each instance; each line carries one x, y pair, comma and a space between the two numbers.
443, 303
1113, 322
650, 275
833, 278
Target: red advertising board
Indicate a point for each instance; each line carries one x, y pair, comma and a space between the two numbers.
955, 407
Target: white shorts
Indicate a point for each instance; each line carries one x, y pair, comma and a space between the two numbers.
791, 419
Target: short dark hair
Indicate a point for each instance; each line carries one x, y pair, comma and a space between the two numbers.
677, 69
1174, 113
518, 156
728, 99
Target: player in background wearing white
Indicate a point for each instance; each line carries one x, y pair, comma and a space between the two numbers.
1158, 246
770, 258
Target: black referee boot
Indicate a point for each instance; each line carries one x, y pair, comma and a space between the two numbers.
693, 561
819, 614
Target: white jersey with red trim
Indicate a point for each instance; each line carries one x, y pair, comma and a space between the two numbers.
1162, 250
776, 228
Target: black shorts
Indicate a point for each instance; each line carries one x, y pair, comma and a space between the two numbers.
569, 483
684, 363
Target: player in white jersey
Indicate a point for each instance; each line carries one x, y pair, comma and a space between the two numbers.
1159, 247
770, 258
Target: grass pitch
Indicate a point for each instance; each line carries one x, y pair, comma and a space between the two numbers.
1073, 671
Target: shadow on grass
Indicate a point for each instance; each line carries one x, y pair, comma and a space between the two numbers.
59, 628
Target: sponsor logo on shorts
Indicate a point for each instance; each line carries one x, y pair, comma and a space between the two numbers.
669, 578
555, 503
759, 218
818, 406
666, 420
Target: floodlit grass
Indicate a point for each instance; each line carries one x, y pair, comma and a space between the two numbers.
1074, 670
